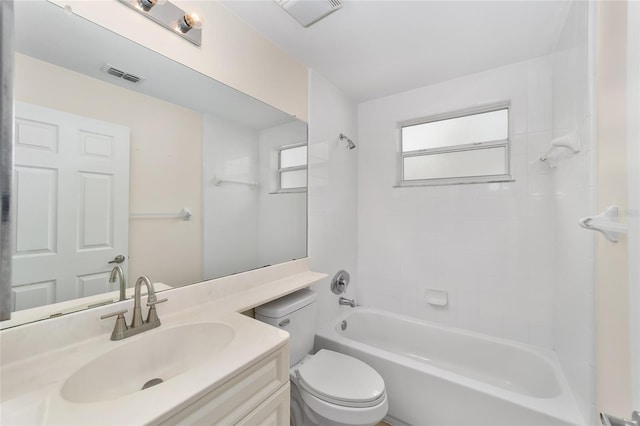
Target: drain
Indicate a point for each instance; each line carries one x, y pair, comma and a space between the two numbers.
151, 383
343, 325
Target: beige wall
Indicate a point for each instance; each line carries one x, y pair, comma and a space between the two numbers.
232, 52
165, 169
612, 291
633, 135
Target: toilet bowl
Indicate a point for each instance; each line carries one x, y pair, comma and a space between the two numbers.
334, 389
327, 388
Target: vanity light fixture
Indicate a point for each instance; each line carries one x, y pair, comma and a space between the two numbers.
187, 25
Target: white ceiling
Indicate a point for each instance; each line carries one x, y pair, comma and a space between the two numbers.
371, 49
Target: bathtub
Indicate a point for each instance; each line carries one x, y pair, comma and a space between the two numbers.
436, 375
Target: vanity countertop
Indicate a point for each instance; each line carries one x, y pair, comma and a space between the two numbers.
32, 389
38, 358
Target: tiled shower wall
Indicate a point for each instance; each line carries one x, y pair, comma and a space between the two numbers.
490, 246
332, 190
574, 195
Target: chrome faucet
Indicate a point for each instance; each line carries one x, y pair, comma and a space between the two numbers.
138, 325
117, 272
347, 302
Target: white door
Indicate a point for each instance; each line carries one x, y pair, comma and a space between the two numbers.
71, 192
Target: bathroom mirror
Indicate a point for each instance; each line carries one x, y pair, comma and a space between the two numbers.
124, 154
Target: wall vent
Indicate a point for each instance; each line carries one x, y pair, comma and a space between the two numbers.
308, 12
109, 69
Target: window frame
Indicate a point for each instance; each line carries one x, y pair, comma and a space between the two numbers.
280, 169
475, 146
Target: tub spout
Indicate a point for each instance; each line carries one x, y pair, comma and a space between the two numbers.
347, 302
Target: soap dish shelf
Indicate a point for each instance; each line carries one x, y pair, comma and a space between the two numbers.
569, 142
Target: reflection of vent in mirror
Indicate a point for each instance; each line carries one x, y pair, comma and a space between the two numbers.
109, 69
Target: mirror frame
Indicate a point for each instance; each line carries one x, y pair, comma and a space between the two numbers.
6, 153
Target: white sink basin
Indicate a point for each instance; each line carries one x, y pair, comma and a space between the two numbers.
160, 354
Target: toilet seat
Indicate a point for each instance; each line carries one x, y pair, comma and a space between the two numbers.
341, 380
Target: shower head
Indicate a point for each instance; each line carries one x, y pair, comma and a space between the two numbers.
350, 143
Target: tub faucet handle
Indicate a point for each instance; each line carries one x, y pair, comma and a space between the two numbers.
347, 302
340, 282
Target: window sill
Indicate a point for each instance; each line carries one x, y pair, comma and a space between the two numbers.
455, 181
289, 191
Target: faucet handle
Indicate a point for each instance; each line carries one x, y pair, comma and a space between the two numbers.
157, 301
121, 324
152, 315
120, 314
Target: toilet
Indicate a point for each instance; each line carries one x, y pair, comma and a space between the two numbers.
327, 388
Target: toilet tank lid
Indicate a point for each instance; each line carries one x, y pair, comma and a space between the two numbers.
287, 304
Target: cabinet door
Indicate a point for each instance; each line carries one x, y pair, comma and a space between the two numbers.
273, 412
233, 400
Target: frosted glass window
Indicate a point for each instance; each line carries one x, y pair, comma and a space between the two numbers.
292, 169
293, 157
473, 148
293, 179
483, 127
477, 162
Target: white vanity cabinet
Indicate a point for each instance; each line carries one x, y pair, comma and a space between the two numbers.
259, 395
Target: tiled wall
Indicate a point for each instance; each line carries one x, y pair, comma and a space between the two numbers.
489, 245
574, 189
332, 190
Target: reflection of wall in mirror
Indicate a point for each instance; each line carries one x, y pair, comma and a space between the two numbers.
232, 52
230, 211
283, 217
246, 228
166, 167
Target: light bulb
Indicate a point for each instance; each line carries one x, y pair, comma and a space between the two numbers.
188, 22
196, 21
146, 5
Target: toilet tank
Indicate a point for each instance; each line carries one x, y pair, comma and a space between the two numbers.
296, 314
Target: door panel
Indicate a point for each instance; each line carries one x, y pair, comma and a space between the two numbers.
33, 295
95, 211
92, 284
36, 199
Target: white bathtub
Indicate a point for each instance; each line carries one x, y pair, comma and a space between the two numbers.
438, 375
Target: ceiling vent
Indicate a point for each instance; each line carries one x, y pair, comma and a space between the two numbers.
308, 12
109, 69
